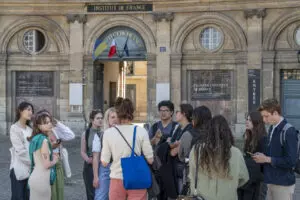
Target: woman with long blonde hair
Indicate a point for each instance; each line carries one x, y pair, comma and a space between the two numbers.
101, 174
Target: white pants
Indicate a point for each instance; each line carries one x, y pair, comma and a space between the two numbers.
278, 192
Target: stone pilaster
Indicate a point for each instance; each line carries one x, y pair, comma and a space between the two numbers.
254, 36
268, 74
176, 80
76, 41
151, 86
3, 97
254, 19
163, 50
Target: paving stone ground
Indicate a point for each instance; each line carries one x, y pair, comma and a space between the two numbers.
74, 188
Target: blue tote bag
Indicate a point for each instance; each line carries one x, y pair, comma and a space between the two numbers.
136, 172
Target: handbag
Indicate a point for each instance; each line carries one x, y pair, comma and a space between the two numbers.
136, 173
65, 162
21, 170
193, 197
154, 190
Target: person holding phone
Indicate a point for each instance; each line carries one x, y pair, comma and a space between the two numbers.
255, 137
278, 158
59, 133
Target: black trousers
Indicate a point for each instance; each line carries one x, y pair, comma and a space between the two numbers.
19, 189
88, 178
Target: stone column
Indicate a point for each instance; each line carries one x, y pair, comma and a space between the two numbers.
255, 41
3, 98
151, 85
267, 75
163, 50
76, 72
176, 80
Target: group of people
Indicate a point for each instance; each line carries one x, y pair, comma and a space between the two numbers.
196, 155
193, 155
36, 170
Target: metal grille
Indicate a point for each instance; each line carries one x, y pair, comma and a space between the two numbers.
211, 38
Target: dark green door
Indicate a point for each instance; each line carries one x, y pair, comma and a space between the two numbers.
290, 96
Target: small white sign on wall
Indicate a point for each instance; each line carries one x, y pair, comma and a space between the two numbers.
75, 94
162, 92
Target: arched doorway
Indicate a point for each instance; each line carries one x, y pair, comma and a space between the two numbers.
120, 69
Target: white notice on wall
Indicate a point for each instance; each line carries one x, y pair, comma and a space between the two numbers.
162, 92
75, 94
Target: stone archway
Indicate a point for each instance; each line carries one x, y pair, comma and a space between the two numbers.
39, 22
9, 70
148, 41
277, 27
225, 64
221, 20
126, 21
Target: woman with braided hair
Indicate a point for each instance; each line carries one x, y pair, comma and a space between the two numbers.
221, 168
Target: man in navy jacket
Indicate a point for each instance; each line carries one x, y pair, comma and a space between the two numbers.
279, 159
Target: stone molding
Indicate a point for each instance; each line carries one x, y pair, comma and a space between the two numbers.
159, 16
281, 23
121, 20
259, 13
35, 21
80, 18
227, 24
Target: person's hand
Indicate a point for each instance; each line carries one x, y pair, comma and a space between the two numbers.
174, 144
89, 160
174, 151
55, 157
158, 134
261, 158
96, 182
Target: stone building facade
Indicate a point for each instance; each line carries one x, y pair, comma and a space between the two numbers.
229, 55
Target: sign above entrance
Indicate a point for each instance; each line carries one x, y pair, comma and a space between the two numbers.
120, 43
120, 8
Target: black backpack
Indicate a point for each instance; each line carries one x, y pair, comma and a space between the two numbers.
283, 139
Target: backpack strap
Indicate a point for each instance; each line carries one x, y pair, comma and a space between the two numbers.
154, 128
283, 133
87, 134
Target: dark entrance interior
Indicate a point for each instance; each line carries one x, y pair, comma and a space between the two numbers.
290, 96
98, 86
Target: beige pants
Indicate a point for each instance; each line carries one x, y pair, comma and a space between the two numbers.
278, 192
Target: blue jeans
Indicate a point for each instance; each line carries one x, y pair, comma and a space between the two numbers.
101, 193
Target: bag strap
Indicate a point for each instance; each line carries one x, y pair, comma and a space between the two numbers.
283, 133
134, 135
197, 168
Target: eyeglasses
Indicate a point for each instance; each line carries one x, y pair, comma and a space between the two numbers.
164, 111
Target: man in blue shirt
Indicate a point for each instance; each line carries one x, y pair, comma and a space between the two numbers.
165, 126
279, 158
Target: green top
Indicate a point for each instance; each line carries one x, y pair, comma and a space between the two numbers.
217, 188
35, 144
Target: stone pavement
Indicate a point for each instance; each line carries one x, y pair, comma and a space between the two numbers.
74, 188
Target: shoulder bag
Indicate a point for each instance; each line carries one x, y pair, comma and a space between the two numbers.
135, 167
195, 196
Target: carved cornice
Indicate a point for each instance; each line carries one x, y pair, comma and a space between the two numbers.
71, 18
259, 13
159, 16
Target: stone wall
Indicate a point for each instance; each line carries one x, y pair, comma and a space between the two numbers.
259, 38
